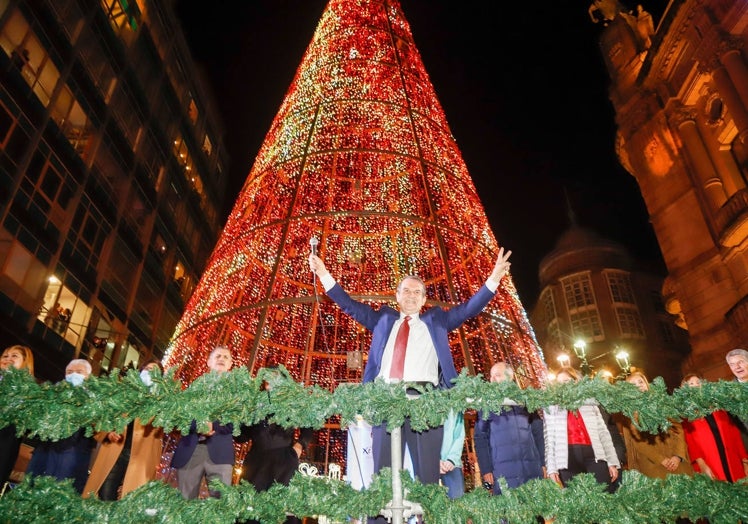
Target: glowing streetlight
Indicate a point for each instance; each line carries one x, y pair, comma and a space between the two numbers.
622, 359
580, 350
563, 359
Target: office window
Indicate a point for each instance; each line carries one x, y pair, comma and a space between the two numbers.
48, 188
29, 56
88, 234
121, 15
96, 59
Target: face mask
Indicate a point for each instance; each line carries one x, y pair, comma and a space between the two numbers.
76, 379
145, 376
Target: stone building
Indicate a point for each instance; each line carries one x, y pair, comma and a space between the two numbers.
680, 96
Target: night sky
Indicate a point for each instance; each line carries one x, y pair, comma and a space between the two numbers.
523, 86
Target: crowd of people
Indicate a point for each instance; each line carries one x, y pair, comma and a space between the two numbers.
409, 345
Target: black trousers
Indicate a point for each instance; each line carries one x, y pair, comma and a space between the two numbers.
424, 448
582, 460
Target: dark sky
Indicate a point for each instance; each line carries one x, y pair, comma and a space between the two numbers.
523, 86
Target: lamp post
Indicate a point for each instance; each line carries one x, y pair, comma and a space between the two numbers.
580, 350
622, 359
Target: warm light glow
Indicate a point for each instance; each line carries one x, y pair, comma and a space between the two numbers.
605, 373
361, 157
622, 359
563, 359
53, 280
580, 348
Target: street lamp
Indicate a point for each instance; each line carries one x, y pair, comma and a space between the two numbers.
563, 359
580, 350
622, 359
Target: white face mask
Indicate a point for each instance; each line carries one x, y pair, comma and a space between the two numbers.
145, 376
76, 379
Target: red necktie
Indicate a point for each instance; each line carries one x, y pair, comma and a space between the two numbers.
398, 356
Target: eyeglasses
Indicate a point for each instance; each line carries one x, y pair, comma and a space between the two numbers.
414, 292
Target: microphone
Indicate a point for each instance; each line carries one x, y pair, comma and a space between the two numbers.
313, 242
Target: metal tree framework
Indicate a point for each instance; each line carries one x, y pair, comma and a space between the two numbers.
360, 156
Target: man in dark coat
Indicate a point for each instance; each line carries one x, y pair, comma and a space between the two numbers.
274, 454
509, 444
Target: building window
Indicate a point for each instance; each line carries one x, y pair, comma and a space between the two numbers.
192, 109
619, 284
667, 331
629, 322
121, 15
657, 303
88, 234
207, 146
549, 307
29, 56
48, 187
586, 325
578, 291
580, 302
65, 312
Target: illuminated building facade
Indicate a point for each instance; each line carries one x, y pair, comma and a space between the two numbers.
359, 156
681, 102
112, 177
592, 291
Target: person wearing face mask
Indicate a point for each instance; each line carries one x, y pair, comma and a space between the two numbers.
66, 458
17, 357
125, 461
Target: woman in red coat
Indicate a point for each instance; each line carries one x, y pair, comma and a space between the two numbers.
714, 443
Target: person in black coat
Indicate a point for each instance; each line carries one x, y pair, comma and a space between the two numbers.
274, 454
509, 443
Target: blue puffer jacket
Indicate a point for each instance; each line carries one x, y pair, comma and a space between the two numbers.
510, 444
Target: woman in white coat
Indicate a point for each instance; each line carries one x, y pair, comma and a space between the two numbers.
578, 441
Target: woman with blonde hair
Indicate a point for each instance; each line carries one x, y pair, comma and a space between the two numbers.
18, 357
654, 455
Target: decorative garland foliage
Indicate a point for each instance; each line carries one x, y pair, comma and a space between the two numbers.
54, 411
639, 500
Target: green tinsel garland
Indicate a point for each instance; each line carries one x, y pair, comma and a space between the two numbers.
54, 411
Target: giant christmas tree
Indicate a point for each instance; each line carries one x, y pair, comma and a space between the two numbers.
359, 156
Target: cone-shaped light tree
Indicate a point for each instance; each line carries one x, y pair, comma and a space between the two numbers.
359, 156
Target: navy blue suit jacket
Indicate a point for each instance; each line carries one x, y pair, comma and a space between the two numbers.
438, 320
220, 445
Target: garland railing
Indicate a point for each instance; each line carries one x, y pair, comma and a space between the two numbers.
54, 411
